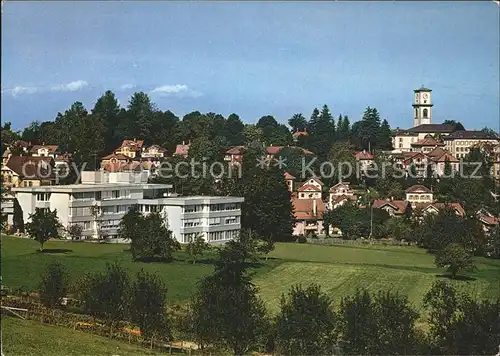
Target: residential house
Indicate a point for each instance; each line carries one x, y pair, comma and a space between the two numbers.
114, 161
438, 161
289, 179
234, 155
154, 153
419, 160
44, 150
102, 199
308, 215
130, 148
298, 134
273, 151
364, 159
395, 208
434, 207
28, 171
311, 189
182, 150
340, 194
419, 194
402, 139
488, 220
459, 143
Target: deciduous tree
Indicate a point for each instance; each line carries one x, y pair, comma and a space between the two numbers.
43, 225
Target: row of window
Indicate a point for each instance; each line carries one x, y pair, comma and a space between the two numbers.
212, 221
108, 194
43, 196
223, 235
420, 197
213, 207
106, 210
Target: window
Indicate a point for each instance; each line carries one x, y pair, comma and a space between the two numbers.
232, 220
192, 222
43, 197
416, 112
214, 221
426, 112
30, 183
115, 194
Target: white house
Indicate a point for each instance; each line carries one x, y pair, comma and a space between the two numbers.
102, 199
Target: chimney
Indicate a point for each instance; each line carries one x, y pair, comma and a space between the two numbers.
183, 143
315, 209
135, 140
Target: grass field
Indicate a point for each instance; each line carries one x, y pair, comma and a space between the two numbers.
27, 337
338, 269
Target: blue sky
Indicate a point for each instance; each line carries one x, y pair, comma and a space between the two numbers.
253, 58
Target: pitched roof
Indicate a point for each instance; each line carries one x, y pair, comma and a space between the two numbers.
181, 150
50, 148
340, 198
427, 141
364, 155
432, 128
345, 184
437, 152
471, 135
288, 176
134, 145
399, 206
418, 189
31, 167
447, 157
303, 208
236, 150
157, 147
273, 150
309, 188
118, 156
457, 206
489, 220
300, 133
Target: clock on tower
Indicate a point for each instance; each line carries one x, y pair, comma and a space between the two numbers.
422, 107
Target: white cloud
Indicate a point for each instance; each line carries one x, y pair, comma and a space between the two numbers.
73, 86
19, 90
177, 89
127, 86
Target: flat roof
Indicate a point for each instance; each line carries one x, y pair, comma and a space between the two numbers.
195, 199
90, 187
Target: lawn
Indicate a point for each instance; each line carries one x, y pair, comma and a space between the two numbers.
27, 337
338, 269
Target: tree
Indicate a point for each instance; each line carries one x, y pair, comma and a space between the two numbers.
148, 305
398, 228
226, 310
106, 295
366, 133
234, 130
306, 322
53, 286
297, 122
75, 231
457, 126
17, 218
380, 324
140, 115
150, 236
43, 225
321, 129
252, 133
108, 110
196, 246
384, 136
455, 258
342, 157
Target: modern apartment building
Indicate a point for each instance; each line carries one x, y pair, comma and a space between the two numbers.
460, 143
101, 200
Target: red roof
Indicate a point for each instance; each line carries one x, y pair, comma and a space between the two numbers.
157, 147
457, 206
181, 150
309, 188
134, 145
418, 189
50, 148
489, 220
300, 133
288, 176
118, 156
399, 206
31, 167
447, 157
437, 152
303, 209
428, 141
345, 184
236, 150
340, 198
273, 150
364, 155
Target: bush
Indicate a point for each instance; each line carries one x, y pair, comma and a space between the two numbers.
301, 239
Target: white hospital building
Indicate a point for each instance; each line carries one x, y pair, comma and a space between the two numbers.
101, 200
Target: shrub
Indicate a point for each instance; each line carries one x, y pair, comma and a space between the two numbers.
301, 239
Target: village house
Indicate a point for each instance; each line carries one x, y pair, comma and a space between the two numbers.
439, 157
28, 171
182, 150
340, 194
130, 148
154, 153
298, 134
289, 179
308, 215
44, 150
426, 145
364, 159
419, 194
435, 208
234, 155
395, 208
311, 189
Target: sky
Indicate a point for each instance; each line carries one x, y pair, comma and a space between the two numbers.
254, 58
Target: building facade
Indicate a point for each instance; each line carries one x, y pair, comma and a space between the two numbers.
459, 143
102, 199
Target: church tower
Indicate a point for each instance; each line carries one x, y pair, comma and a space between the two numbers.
422, 106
